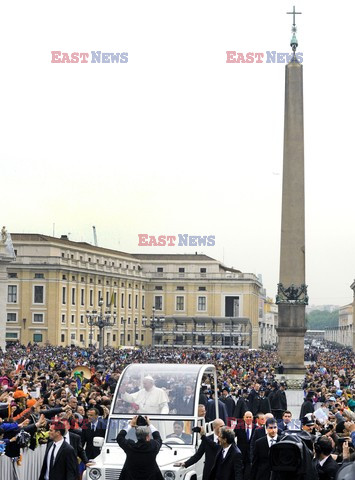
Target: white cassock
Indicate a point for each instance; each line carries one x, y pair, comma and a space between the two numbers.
149, 402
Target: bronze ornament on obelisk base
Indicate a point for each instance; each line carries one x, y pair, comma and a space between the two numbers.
292, 290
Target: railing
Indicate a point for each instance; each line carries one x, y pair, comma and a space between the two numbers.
30, 467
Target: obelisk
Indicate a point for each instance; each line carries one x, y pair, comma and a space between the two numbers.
292, 290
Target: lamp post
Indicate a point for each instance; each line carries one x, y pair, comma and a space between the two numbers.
100, 319
154, 323
135, 331
124, 320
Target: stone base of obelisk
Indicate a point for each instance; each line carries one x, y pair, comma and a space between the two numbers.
291, 332
294, 381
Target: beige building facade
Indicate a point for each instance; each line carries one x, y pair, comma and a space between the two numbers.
344, 333
54, 282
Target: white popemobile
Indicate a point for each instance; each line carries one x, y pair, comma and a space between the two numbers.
169, 395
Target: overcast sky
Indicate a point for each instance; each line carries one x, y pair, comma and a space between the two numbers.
177, 140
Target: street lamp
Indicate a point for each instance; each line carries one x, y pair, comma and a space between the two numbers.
124, 321
100, 319
135, 331
154, 323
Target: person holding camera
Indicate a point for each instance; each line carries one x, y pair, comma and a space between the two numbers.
141, 462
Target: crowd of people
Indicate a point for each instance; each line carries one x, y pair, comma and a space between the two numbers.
43, 387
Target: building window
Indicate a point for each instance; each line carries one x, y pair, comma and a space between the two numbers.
201, 289
39, 275
158, 287
143, 302
160, 269
89, 259
37, 337
121, 320
62, 337
129, 301
73, 278
11, 317
128, 337
72, 256
82, 297
181, 270
12, 293
180, 303
64, 295
63, 255
91, 280
12, 275
180, 288
107, 299
91, 298
82, 279
11, 336
115, 300
158, 302
38, 318
72, 336
73, 296
73, 319
142, 338
63, 317
64, 277
99, 296
82, 319
114, 337
201, 306
136, 302
203, 270
122, 300
81, 337
38, 294
129, 321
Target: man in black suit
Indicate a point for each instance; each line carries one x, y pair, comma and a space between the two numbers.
95, 427
209, 447
228, 464
261, 468
74, 440
228, 401
326, 466
244, 432
211, 410
140, 462
179, 433
60, 461
286, 422
185, 404
241, 406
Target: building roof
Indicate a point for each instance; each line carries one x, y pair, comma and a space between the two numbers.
64, 240
172, 256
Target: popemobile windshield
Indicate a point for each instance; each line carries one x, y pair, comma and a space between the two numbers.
169, 395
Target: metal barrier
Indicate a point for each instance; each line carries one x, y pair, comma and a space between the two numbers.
29, 469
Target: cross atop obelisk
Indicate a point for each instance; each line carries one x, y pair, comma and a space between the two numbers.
294, 42
294, 13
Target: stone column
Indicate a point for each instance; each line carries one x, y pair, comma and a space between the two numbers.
292, 295
7, 256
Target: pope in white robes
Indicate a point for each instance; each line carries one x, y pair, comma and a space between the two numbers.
150, 399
